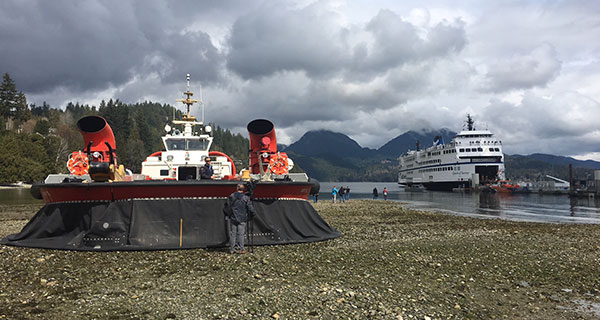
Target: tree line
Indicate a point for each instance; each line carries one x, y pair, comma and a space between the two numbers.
37, 140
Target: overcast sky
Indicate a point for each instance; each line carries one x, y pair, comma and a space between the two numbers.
527, 70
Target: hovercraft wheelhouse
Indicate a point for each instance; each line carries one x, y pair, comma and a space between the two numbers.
471, 155
186, 148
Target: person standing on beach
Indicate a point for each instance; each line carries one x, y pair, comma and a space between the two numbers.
375, 193
316, 197
334, 193
241, 210
347, 193
385, 193
342, 192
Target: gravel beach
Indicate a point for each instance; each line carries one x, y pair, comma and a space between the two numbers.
390, 263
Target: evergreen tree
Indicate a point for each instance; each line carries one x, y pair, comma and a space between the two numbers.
8, 96
22, 112
133, 152
13, 103
42, 127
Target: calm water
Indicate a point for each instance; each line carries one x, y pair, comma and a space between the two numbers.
521, 207
11, 196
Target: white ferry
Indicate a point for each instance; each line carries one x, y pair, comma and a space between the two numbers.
471, 155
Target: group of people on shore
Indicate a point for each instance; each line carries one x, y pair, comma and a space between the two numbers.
376, 193
343, 194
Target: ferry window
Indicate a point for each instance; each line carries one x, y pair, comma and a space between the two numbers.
176, 144
164, 172
197, 144
461, 150
479, 149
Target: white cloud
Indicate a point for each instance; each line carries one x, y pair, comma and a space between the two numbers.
534, 69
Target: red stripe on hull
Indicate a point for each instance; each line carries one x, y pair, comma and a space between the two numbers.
68, 192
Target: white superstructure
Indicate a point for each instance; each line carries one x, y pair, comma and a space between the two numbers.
446, 166
185, 150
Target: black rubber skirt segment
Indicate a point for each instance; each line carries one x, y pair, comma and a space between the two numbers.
165, 224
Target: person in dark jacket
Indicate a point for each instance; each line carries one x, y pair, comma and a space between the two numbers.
241, 210
375, 193
207, 172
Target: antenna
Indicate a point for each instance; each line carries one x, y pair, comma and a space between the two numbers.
202, 104
189, 101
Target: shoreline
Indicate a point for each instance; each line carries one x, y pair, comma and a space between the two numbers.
15, 186
390, 263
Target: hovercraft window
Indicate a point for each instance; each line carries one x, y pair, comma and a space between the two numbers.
164, 172
197, 144
176, 144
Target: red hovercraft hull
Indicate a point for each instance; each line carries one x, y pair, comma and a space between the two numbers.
85, 192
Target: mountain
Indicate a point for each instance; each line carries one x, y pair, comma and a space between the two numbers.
333, 156
560, 160
536, 166
407, 141
325, 142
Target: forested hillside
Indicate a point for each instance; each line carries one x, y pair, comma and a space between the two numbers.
37, 140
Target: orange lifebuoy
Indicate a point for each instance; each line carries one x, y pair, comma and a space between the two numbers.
278, 164
78, 163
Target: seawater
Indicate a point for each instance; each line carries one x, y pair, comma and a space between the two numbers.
16, 196
518, 207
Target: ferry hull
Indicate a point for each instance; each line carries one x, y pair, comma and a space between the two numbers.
445, 185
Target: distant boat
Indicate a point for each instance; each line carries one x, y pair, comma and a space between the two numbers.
445, 166
505, 186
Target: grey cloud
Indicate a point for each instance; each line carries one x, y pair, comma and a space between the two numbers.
397, 42
274, 38
535, 69
559, 124
268, 41
92, 45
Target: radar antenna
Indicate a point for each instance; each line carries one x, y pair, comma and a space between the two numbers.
189, 102
470, 123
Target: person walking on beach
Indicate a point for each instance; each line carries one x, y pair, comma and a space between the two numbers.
385, 193
241, 209
375, 193
342, 192
334, 193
